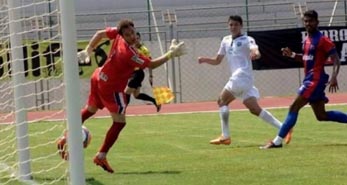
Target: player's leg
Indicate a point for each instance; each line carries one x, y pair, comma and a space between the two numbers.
289, 122
93, 102
318, 100
113, 132
252, 104
223, 101
323, 115
145, 97
250, 100
88, 112
110, 138
128, 91
308, 91
92, 106
116, 104
136, 82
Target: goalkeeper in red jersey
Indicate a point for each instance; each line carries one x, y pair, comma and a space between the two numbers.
134, 84
109, 81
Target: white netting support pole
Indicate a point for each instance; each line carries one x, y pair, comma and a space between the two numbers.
333, 13
159, 39
72, 95
18, 79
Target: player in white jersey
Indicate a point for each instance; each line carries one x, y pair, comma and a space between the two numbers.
240, 50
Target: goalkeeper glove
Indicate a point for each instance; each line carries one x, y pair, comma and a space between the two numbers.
176, 49
84, 55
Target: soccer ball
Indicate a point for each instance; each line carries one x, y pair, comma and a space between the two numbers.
86, 136
62, 142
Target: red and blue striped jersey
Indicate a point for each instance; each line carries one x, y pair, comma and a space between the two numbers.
316, 50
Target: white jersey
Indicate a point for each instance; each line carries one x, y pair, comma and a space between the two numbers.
238, 55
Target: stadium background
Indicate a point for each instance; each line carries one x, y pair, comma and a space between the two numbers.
201, 24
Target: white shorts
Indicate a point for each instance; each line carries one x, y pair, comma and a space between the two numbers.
242, 88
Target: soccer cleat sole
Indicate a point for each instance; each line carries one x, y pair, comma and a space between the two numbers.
270, 145
220, 141
103, 164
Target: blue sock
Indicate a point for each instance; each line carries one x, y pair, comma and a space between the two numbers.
337, 116
288, 124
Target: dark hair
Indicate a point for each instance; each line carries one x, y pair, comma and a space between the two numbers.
124, 24
138, 34
311, 14
235, 18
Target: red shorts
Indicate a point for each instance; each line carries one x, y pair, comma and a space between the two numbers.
105, 97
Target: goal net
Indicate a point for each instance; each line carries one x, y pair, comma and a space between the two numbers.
32, 93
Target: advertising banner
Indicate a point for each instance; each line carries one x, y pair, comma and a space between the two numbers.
271, 42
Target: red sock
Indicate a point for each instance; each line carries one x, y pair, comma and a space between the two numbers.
86, 114
111, 136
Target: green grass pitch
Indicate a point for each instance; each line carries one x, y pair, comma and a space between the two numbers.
175, 150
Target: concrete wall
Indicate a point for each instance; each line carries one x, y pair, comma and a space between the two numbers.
201, 82
90, 6
192, 81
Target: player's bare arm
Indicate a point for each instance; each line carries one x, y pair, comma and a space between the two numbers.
98, 36
158, 62
333, 84
211, 61
150, 78
287, 52
84, 55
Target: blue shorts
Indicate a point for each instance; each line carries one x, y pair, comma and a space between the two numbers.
313, 90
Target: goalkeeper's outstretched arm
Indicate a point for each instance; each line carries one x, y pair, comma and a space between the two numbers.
84, 55
158, 61
94, 41
176, 50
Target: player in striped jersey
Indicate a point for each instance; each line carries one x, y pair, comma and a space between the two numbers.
317, 49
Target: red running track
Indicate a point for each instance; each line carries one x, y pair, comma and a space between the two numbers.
266, 102
133, 110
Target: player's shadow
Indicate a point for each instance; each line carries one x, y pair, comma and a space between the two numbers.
63, 180
92, 181
334, 145
150, 172
89, 181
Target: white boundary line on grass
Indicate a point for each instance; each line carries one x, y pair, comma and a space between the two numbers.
211, 111
13, 174
5, 167
29, 182
32, 182
190, 112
